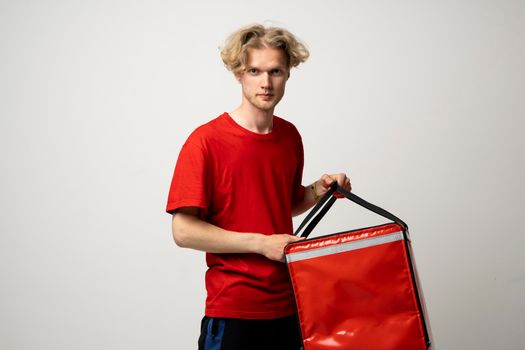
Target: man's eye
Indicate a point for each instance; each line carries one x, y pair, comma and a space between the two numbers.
276, 72
252, 71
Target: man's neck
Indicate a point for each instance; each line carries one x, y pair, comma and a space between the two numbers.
253, 119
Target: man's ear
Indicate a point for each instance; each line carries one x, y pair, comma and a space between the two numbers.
237, 76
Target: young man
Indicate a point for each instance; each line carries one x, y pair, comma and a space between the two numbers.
236, 186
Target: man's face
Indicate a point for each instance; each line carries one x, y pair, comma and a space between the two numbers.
265, 77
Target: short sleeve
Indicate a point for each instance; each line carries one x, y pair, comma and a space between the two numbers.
189, 184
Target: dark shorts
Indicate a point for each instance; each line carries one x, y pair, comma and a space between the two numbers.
237, 334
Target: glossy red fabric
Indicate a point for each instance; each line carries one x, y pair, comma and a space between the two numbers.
363, 298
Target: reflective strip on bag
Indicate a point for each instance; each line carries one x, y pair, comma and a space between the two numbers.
345, 247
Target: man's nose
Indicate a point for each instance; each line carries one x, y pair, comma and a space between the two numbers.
266, 82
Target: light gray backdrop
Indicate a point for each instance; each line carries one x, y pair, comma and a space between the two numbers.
420, 102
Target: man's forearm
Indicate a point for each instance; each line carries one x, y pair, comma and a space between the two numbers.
191, 232
308, 201
316, 190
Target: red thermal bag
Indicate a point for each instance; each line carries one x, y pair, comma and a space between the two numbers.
357, 289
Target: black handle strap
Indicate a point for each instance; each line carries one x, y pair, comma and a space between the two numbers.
317, 207
326, 202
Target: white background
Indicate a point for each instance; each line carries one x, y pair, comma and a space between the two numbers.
420, 102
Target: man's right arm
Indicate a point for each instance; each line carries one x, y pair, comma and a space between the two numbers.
189, 231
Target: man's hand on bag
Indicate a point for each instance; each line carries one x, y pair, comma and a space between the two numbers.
323, 184
272, 246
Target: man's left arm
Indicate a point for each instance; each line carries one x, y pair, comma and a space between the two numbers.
318, 189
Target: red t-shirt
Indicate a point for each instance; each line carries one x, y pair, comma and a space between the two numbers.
245, 182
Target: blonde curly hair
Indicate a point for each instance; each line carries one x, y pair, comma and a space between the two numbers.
234, 52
